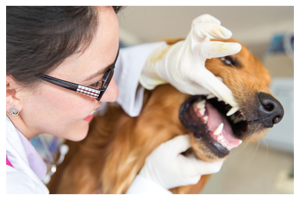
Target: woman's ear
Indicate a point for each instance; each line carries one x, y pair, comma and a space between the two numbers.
13, 94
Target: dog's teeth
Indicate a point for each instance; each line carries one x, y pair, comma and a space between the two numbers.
241, 141
210, 96
220, 138
201, 104
232, 111
242, 116
205, 119
232, 117
202, 111
219, 129
237, 120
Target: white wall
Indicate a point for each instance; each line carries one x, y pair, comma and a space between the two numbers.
252, 25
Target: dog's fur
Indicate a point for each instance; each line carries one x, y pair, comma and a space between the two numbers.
117, 145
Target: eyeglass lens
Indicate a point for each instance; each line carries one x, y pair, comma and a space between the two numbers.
106, 80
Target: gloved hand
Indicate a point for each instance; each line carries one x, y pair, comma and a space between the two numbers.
183, 64
168, 168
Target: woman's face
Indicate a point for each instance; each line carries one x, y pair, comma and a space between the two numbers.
64, 113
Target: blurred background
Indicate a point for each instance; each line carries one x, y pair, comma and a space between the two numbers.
266, 166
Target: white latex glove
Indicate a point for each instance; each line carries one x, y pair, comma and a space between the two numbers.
168, 168
183, 64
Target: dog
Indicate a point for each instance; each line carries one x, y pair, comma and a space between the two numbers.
116, 147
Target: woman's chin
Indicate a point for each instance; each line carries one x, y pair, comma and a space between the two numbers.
79, 133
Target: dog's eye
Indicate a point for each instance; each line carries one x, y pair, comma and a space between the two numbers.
229, 61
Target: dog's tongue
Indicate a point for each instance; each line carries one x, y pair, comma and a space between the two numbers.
214, 120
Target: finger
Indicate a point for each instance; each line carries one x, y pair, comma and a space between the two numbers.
211, 83
208, 167
206, 18
196, 167
178, 144
215, 49
210, 30
194, 89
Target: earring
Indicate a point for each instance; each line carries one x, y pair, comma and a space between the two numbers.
13, 111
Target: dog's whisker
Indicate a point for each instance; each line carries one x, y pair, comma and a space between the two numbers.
253, 155
266, 146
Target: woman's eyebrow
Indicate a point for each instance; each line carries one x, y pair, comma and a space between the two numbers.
101, 71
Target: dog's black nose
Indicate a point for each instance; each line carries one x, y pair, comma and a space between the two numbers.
270, 110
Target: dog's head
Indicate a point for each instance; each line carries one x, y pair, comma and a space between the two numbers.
214, 127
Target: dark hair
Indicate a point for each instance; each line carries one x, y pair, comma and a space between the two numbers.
38, 39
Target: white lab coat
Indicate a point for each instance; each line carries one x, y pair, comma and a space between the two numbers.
21, 179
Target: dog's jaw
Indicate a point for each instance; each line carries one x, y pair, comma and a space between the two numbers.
211, 130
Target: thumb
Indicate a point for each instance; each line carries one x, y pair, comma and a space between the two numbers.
208, 167
215, 49
198, 167
179, 144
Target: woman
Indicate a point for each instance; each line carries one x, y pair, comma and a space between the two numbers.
47, 46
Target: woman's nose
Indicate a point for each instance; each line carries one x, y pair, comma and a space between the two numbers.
111, 94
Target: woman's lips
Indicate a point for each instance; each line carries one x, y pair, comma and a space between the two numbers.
90, 117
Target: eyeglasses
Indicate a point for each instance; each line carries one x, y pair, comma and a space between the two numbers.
88, 91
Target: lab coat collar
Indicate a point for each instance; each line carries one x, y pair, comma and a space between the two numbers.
15, 153
13, 142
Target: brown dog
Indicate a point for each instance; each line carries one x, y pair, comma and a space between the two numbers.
117, 145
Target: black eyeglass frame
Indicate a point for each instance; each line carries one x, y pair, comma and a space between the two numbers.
85, 90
